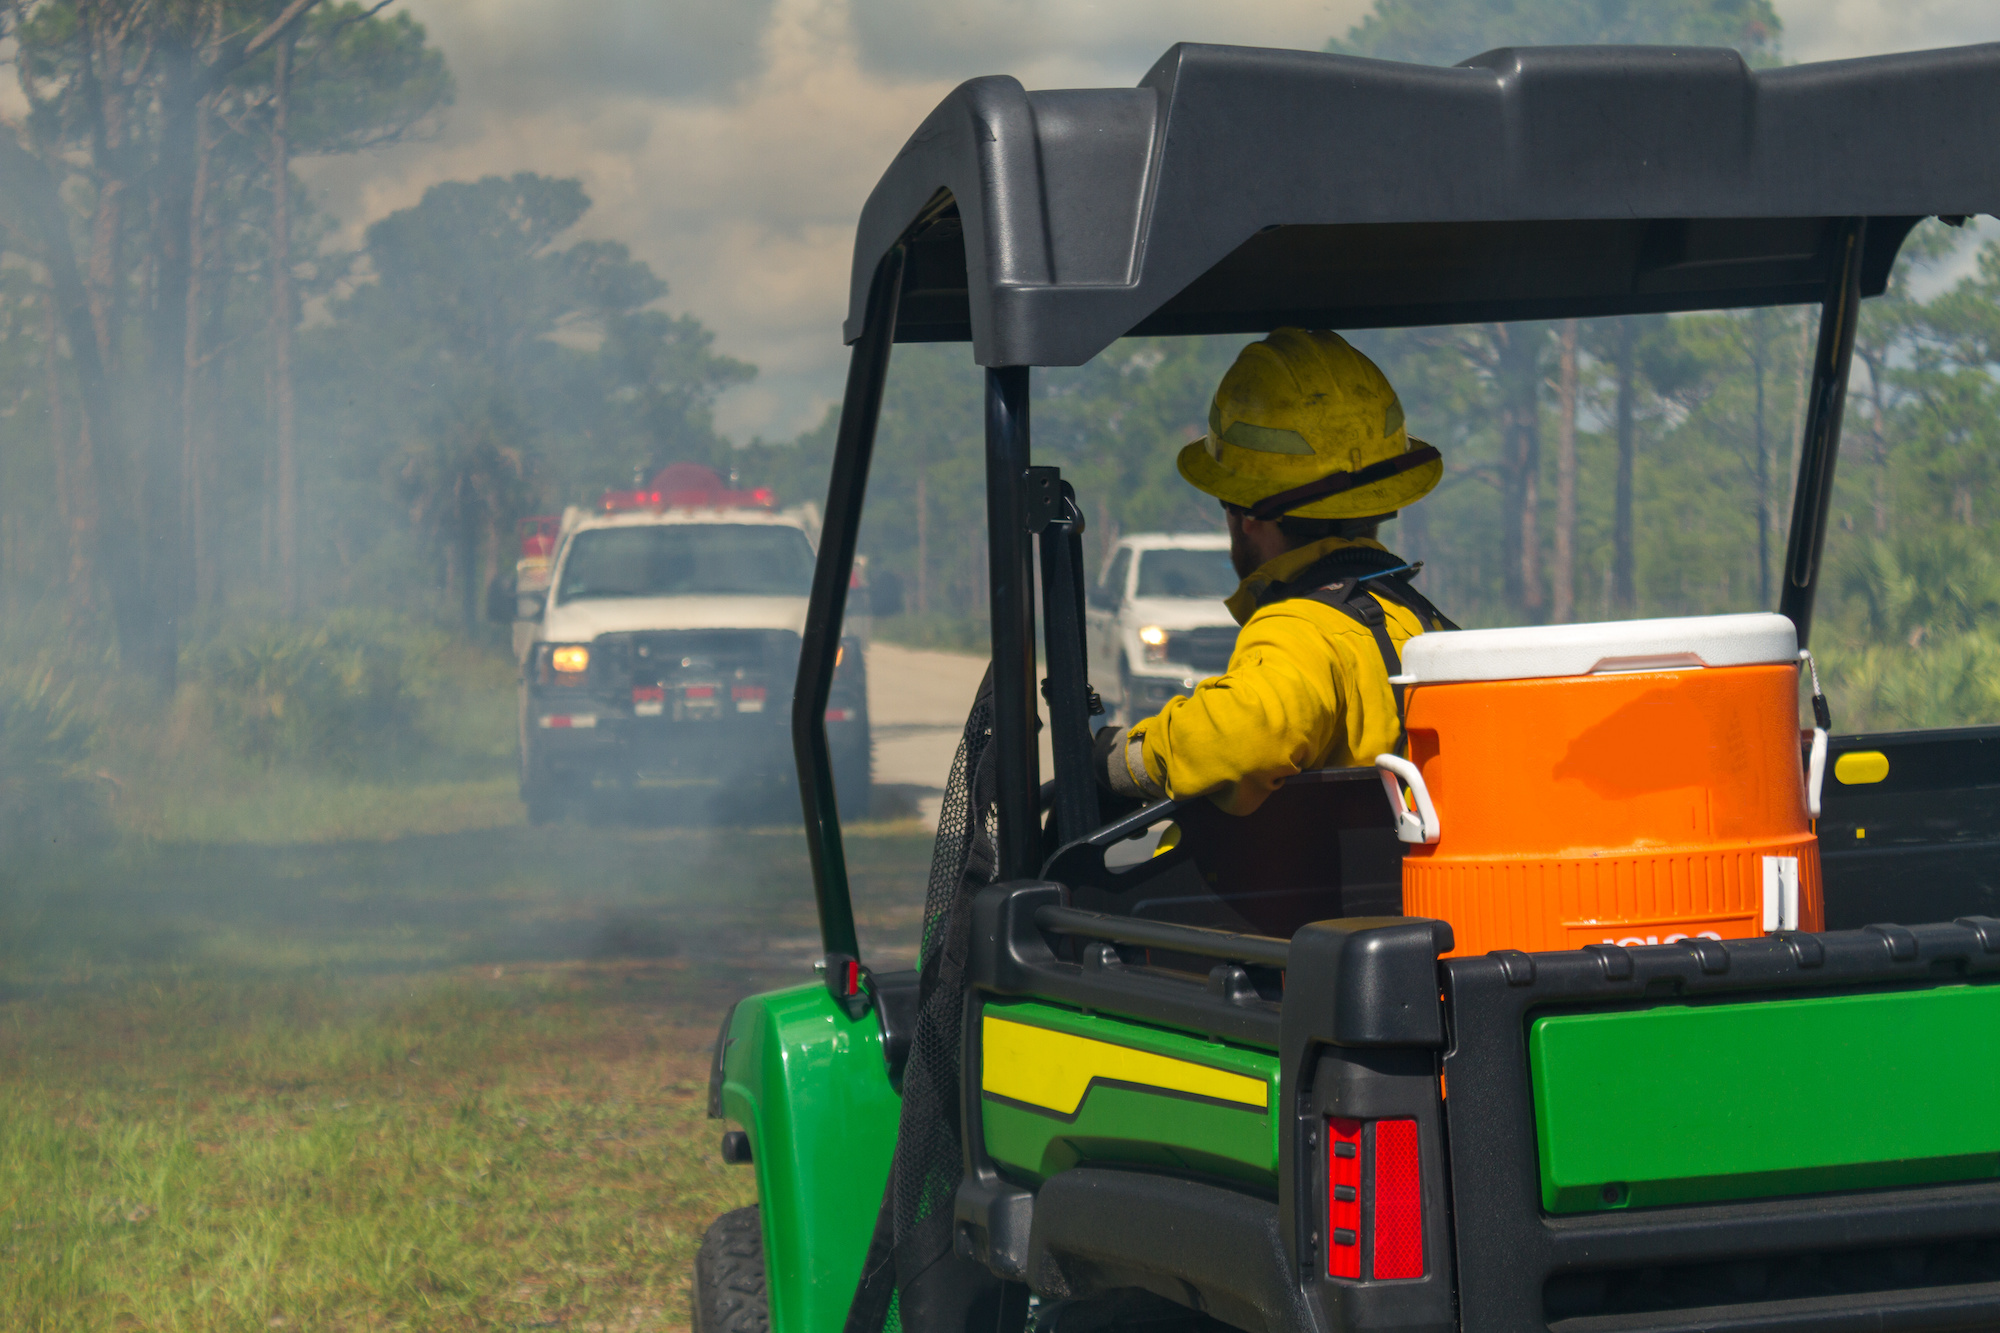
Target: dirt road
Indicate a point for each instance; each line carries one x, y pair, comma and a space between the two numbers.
917, 702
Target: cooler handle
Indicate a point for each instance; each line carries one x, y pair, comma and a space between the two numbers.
1822, 724
1816, 771
1421, 826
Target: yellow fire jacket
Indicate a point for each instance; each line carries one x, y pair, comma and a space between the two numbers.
1306, 688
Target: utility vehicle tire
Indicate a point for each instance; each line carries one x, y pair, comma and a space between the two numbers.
728, 1295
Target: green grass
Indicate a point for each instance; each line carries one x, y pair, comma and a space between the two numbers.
197, 1152
310, 1046
436, 1080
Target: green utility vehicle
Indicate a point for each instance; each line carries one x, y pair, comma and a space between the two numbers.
1084, 1112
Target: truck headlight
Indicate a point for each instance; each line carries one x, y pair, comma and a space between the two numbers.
1155, 640
570, 660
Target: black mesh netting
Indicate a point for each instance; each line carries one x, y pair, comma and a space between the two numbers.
913, 1237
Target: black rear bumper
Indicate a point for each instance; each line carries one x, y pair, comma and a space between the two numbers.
1366, 1030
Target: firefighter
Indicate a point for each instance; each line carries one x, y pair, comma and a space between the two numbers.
1307, 451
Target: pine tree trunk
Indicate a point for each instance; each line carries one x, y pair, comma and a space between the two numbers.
167, 570
198, 444
1520, 376
76, 500
1562, 608
287, 516
1760, 347
1624, 595
95, 481
120, 555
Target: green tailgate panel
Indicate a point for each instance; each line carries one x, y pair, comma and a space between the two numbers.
1132, 1122
1694, 1103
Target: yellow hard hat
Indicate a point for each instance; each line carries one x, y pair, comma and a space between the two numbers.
1304, 425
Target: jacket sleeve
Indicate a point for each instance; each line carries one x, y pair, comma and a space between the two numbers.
1239, 736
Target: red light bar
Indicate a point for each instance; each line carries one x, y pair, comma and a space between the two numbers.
1343, 1198
1398, 1249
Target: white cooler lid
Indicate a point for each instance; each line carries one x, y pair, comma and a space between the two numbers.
1528, 651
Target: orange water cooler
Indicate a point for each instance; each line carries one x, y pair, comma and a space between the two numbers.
1629, 783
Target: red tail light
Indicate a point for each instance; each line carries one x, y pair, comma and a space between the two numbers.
648, 694
1343, 1198
747, 693
699, 692
1374, 1190
1399, 1202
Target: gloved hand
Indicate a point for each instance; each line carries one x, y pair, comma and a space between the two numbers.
1102, 746
1118, 758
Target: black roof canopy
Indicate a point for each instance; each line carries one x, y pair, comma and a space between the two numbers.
1238, 189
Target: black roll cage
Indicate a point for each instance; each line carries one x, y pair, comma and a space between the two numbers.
991, 196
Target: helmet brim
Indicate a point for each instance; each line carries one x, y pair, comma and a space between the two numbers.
1201, 471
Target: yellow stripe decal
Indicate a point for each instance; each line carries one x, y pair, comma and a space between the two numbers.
1053, 1070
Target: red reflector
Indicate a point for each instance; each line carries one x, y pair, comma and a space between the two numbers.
1399, 1202
1343, 1198
747, 693
853, 982
643, 694
699, 691
556, 721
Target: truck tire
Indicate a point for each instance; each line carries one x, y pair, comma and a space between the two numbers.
728, 1295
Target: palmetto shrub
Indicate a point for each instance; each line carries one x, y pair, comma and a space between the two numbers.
1915, 642
333, 695
46, 789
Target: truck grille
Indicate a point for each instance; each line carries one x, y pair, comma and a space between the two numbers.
666, 656
1206, 649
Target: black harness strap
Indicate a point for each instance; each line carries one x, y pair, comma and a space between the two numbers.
1350, 581
1350, 598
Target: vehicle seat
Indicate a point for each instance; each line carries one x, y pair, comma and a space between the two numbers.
1322, 846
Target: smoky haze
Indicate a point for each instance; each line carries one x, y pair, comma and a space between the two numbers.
311, 333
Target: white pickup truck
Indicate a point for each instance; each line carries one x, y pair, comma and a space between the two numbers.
661, 663
1156, 621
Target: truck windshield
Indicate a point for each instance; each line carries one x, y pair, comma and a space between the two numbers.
1183, 573
693, 559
